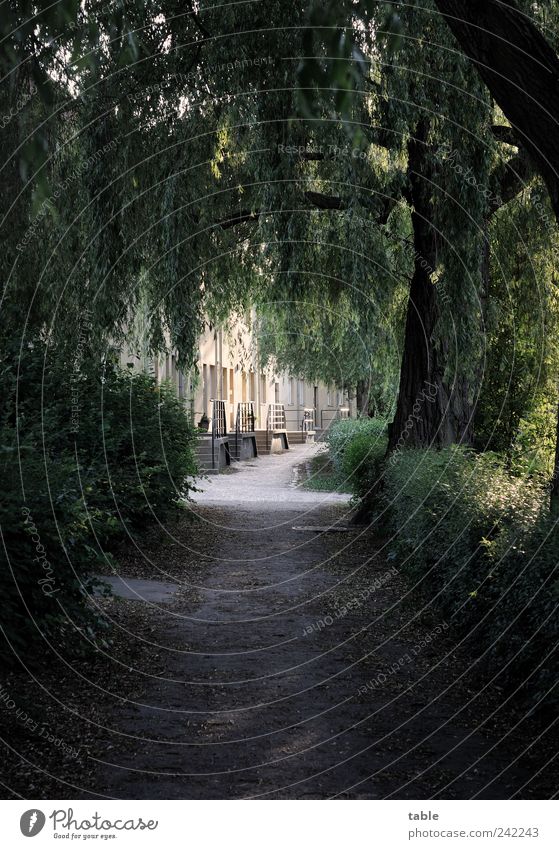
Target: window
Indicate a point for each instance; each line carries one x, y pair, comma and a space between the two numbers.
205, 387
213, 383
290, 391
300, 392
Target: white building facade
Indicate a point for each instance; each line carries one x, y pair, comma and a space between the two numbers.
228, 369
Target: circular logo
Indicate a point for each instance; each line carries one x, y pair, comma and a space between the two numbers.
32, 822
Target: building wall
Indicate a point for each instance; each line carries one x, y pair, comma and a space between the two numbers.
228, 369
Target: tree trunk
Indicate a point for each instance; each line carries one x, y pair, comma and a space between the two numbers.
520, 69
428, 412
362, 397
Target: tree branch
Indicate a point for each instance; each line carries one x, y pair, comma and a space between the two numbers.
239, 218
318, 200
520, 69
509, 179
197, 20
505, 134
321, 201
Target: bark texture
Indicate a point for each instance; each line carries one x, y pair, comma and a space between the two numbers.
363, 397
429, 412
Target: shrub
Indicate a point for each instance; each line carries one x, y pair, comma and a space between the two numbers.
361, 463
357, 447
76, 485
48, 558
483, 548
136, 448
366, 438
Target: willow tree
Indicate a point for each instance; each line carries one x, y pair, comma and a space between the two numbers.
520, 66
199, 179
462, 162
418, 94
306, 161
344, 326
46, 49
516, 411
288, 208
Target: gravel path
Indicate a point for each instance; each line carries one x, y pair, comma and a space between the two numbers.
297, 667
268, 483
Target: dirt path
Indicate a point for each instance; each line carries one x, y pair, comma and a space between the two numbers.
297, 668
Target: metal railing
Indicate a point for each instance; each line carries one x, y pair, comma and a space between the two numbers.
244, 421
219, 424
307, 423
275, 420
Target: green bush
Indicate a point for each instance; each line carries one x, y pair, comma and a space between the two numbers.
476, 539
483, 548
76, 482
361, 463
49, 556
356, 448
136, 447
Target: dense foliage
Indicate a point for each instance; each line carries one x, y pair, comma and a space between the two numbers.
356, 448
517, 408
90, 456
478, 544
481, 546
267, 180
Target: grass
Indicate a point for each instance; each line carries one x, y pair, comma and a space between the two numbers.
323, 477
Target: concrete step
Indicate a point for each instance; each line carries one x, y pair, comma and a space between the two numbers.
203, 455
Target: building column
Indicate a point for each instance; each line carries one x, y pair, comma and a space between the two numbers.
219, 364
257, 394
